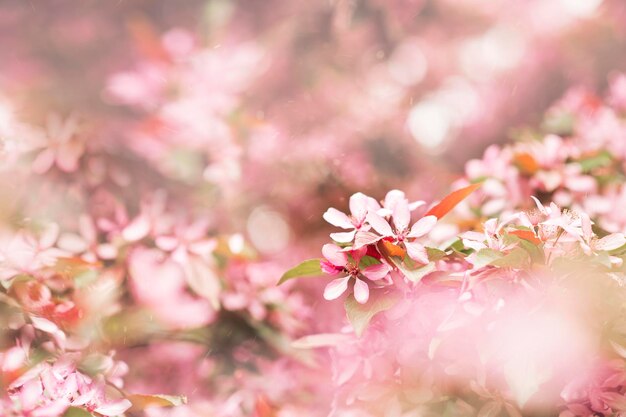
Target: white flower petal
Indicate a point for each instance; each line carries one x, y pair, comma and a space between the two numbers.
335, 288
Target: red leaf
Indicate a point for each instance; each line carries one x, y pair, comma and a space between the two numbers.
526, 235
263, 408
391, 249
526, 163
147, 39
451, 200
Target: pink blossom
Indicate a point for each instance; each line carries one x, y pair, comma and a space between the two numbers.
591, 243
400, 233
159, 283
252, 287
395, 197
360, 206
86, 242
63, 148
27, 253
340, 262
47, 390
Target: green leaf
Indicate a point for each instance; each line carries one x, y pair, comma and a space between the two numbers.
410, 269
309, 268
435, 254
458, 247
368, 261
518, 258
77, 412
141, 402
601, 159
535, 252
486, 257
416, 275
320, 340
84, 279
360, 315
560, 123
603, 259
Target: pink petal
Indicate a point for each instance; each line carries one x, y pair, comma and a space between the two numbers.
68, 156
334, 254
586, 226
379, 224
137, 229
376, 272
365, 238
417, 252
423, 226
87, 228
361, 291
167, 243
343, 237
358, 204
329, 268
337, 218
204, 247
114, 409
335, 288
357, 254
610, 242
401, 215
43, 162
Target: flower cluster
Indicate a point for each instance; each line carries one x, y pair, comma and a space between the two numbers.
163, 163
577, 160
511, 304
493, 321
372, 223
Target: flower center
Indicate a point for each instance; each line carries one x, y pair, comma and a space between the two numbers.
352, 270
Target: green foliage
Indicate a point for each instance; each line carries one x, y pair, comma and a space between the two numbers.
360, 315
412, 271
517, 258
77, 412
486, 257
320, 340
141, 402
599, 160
435, 254
368, 261
308, 268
